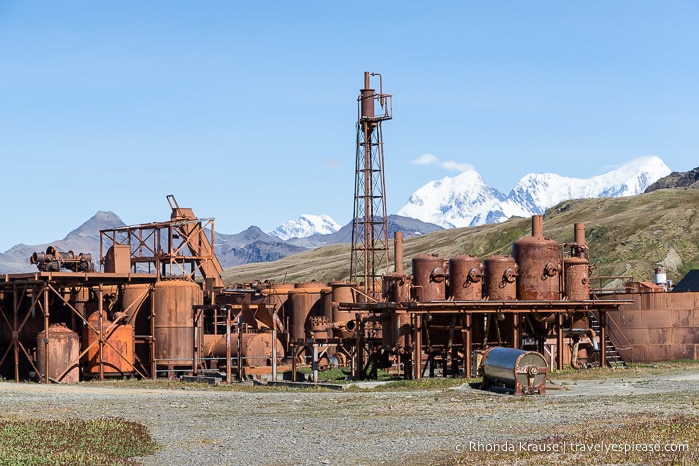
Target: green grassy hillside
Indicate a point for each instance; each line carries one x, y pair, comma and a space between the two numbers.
627, 236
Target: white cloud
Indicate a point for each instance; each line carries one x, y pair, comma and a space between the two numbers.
429, 159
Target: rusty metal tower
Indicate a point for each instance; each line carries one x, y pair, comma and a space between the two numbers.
370, 221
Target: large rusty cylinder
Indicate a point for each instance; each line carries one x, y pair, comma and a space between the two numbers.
466, 277
577, 280
173, 321
538, 260
501, 278
523, 371
429, 278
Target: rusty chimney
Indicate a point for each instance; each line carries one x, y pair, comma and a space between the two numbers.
398, 251
580, 234
538, 226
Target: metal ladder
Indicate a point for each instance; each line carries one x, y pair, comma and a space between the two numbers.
614, 359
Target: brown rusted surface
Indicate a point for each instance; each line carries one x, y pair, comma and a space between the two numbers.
342, 292
117, 352
657, 327
501, 277
429, 277
255, 348
577, 279
305, 302
539, 264
466, 277
173, 321
61, 348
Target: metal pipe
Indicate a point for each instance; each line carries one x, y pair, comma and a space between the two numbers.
398, 251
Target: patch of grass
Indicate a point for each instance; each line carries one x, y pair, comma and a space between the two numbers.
641, 439
632, 371
73, 441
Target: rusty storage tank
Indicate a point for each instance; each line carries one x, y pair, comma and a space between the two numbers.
397, 329
173, 321
577, 267
118, 350
466, 277
429, 277
501, 278
63, 353
539, 265
343, 292
255, 348
305, 302
523, 371
134, 298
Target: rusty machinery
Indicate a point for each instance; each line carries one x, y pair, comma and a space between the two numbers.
447, 313
143, 314
369, 256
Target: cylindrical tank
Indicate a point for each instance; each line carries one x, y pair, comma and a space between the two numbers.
501, 278
660, 276
466, 277
173, 321
523, 371
117, 352
305, 302
577, 280
63, 352
255, 348
539, 265
396, 287
133, 298
344, 321
429, 278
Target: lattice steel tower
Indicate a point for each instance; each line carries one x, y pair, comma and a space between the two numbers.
370, 221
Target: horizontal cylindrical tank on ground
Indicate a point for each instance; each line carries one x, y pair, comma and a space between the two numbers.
523, 371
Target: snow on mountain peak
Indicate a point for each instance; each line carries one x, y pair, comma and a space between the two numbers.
304, 226
465, 200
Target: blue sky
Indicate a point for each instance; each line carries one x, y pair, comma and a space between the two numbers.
246, 111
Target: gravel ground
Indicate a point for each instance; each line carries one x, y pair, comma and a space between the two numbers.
309, 427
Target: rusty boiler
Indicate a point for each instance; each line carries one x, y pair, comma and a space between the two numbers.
305, 302
118, 349
343, 321
466, 277
173, 321
539, 265
61, 353
577, 268
429, 278
501, 278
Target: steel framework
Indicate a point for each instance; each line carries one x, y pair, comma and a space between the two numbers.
370, 221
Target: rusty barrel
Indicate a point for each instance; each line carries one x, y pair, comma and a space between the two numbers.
466, 277
577, 280
173, 321
342, 292
429, 277
305, 302
62, 353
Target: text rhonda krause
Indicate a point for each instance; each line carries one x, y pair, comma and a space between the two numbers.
571, 447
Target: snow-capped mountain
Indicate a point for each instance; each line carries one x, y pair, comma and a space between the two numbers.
465, 200
304, 226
